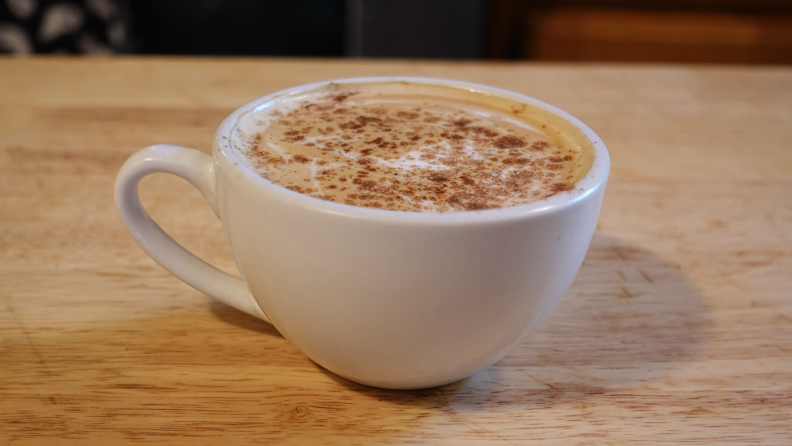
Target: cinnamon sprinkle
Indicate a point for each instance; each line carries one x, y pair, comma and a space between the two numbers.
398, 153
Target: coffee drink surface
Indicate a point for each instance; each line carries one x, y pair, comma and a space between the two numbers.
411, 147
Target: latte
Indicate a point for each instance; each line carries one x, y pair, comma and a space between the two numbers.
410, 147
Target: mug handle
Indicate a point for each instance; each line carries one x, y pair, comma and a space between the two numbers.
197, 168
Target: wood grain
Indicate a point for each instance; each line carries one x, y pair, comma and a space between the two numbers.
677, 329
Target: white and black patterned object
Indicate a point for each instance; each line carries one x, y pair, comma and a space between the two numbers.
65, 26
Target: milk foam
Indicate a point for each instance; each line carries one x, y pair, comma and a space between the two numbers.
389, 146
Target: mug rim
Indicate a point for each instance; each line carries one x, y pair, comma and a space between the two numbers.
594, 179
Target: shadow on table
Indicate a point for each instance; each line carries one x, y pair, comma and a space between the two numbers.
627, 319
234, 317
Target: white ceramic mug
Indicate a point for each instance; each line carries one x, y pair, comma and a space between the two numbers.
386, 298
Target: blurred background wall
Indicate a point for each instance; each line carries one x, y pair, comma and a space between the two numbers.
726, 31
709, 31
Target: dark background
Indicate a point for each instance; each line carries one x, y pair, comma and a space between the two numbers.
239, 27
714, 31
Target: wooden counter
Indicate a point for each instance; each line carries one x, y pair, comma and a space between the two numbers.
678, 328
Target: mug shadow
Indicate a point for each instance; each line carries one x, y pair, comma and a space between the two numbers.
627, 319
238, 319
